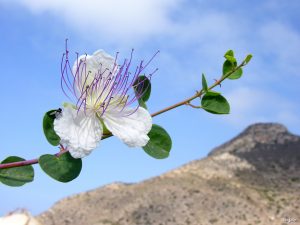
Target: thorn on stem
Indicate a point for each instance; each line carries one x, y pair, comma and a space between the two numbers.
218, 82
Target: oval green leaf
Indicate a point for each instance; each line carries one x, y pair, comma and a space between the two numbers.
16, 176
160, 143
215, 103
236, 75
63, 168
229, 67
229, 53
248, 58
142, 86
48, 128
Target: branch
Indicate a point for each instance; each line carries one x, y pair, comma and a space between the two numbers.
29, 162
184, 102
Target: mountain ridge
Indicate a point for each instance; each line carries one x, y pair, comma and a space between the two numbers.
252, 179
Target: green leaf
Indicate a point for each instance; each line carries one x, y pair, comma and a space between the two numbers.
229, 53
204, 83
160, 143
16, 176
248, 58
214, 92
229, 67
230, 58
142, 104
48, 128
63, 168
142, 86
236, 75
215, 103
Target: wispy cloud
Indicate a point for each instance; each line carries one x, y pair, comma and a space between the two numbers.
281, 43
194, 36
116, 20
250, 105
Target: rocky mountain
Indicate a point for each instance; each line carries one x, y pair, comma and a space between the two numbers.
252, 179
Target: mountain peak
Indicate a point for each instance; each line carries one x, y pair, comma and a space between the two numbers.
257, 134
275, 128
254, 181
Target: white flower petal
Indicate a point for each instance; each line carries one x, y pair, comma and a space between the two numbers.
99, 60
88, 72
132, 129
80, 132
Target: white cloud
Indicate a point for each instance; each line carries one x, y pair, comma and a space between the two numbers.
250, 105
114, 19
194, 41
282, 43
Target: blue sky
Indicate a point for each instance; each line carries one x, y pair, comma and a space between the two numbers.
192, 37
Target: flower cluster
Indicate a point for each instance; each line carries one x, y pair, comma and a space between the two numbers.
105, 96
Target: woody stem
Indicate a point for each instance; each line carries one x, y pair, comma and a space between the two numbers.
184, 102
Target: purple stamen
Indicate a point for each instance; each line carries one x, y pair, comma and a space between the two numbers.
105, 89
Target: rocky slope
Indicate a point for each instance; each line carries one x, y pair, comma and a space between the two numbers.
252, 179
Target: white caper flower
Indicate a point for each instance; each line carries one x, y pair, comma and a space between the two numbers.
103, 94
